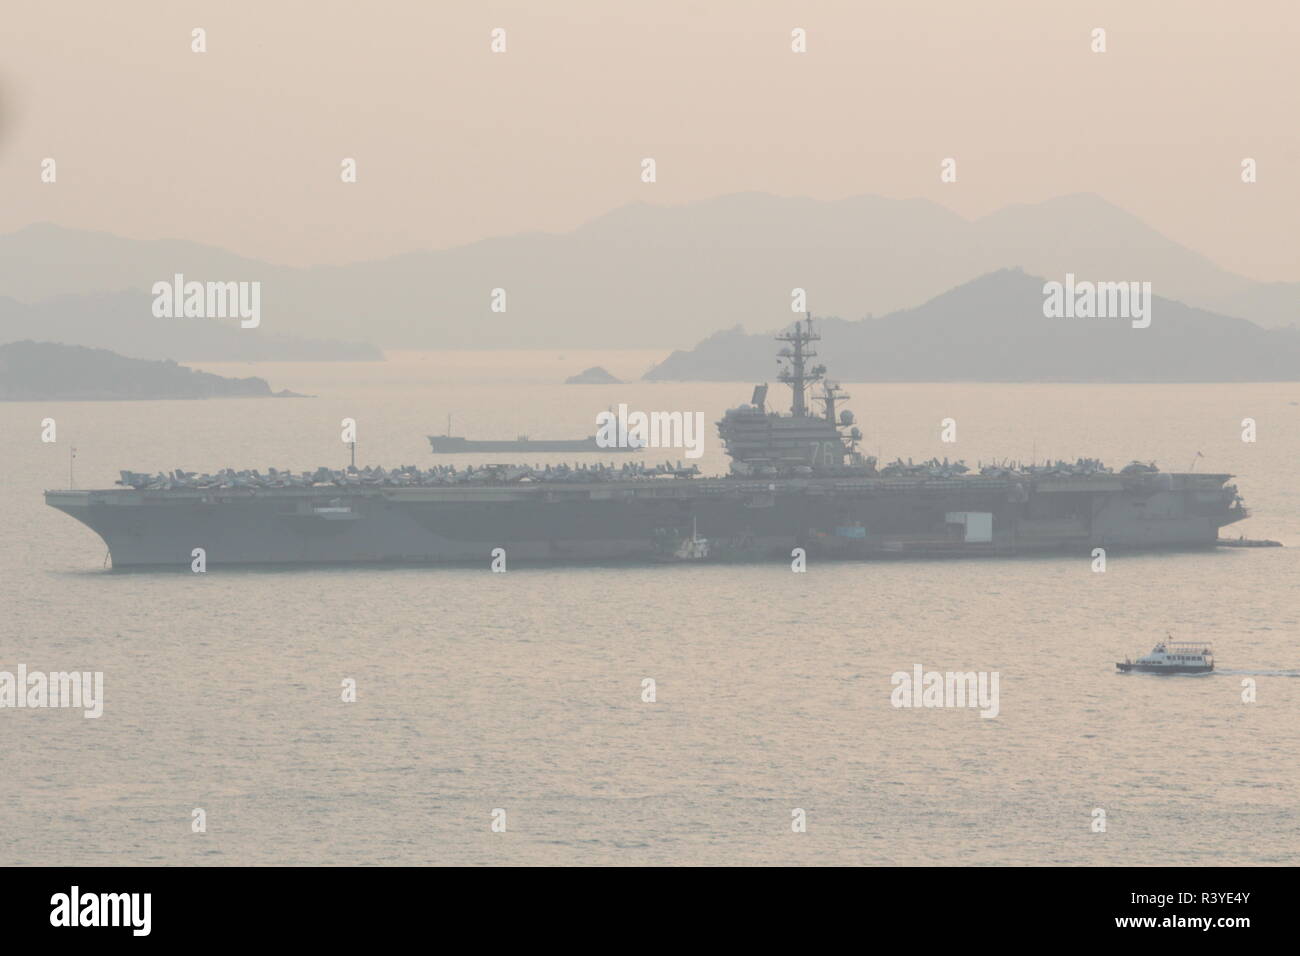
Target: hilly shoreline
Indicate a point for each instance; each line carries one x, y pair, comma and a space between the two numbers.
993, 330
49, 371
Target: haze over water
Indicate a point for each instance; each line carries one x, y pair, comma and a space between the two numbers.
522, 690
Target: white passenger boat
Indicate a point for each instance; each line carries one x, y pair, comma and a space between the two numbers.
1173, 657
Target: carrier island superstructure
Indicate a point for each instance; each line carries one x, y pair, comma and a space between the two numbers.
797, 480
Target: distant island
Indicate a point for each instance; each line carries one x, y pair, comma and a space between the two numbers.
49, 371
993, 329
592, 376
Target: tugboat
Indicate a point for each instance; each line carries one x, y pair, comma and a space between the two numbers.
1173, 657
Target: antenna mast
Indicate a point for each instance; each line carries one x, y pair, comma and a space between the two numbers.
796, 372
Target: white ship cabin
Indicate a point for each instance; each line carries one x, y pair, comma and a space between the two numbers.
1180, 654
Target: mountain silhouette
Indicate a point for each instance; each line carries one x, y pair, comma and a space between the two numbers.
658, 276
993, 329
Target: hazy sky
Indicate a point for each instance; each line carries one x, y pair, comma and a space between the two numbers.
241, 146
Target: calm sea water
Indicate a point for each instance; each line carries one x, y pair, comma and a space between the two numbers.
522, 691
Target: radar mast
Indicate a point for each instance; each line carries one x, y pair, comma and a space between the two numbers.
795, 371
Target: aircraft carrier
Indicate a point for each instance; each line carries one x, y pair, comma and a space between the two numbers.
796, 480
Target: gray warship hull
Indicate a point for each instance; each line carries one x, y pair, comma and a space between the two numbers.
644, 519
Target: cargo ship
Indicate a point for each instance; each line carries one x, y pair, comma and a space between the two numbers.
459, 445
796, 481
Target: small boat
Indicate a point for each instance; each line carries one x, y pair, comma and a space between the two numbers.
693, 548
1173, 657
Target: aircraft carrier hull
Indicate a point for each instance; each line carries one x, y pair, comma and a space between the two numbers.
645, 519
